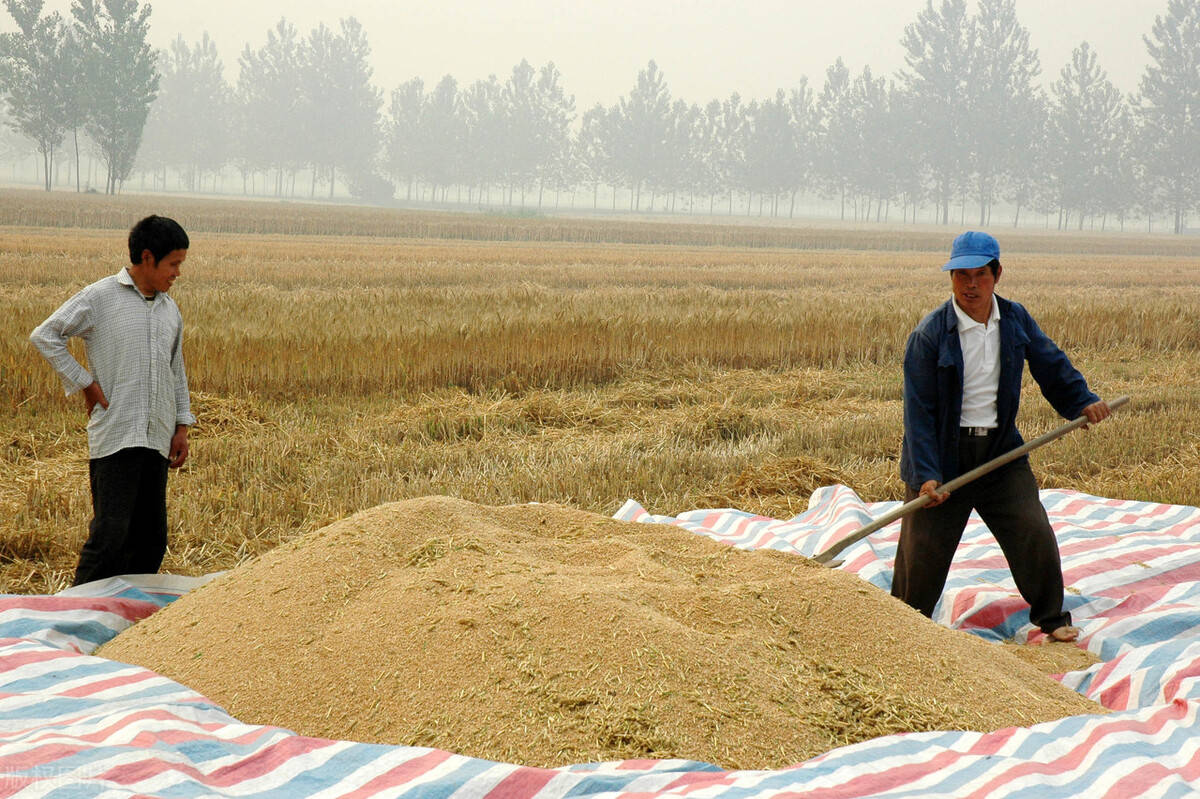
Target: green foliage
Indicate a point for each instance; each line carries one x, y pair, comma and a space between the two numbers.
339, 105
1089, 125
189, 126
36, 73
121, 75
1169, 109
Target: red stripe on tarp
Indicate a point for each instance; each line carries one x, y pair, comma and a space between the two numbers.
405, 772
28, 652
524, 783
700, 780
991, 615
1141, 780
1154, 581
861, 562
1116, 696
993, 742
1079, 753
1101, 676
149, 738
1136, 603
132, 609
874, 783
130, 678
1190, 671
33, 757
11, 786
257, 764
187, 731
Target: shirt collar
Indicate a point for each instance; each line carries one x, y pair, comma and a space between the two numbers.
126, 279
966, 323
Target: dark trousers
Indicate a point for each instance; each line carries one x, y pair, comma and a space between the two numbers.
1007, 501
128, 532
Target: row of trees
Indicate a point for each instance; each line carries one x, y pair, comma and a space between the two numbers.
94, 73
966, 121
299, 104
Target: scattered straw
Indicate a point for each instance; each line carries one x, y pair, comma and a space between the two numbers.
792, 476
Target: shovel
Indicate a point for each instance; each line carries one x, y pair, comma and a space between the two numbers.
958, 482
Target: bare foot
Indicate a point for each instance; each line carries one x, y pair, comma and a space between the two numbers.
1064, 634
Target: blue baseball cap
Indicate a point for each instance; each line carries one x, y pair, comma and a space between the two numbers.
972, 249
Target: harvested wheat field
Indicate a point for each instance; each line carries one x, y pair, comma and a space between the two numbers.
542, 635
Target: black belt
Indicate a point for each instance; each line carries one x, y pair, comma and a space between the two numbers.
976, 432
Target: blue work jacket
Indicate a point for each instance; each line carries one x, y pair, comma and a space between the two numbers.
933, 388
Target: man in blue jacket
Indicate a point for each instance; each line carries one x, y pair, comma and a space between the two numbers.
962, 386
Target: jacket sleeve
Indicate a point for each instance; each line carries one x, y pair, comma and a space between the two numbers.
1060, 382
73, 318
920, 408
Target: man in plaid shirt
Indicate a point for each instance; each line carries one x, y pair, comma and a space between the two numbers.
136, 395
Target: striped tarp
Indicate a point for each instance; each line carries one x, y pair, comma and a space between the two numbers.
74, 725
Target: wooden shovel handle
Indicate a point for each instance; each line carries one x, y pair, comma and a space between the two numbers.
958, 482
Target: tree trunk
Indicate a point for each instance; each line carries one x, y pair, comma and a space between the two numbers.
75, 136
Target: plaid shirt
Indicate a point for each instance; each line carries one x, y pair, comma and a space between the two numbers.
134, 347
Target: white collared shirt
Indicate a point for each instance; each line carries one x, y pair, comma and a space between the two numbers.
134, 348
980, 344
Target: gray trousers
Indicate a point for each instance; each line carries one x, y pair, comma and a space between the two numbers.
1007, 501
128, 532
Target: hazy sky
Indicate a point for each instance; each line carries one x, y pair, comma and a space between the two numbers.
706, 48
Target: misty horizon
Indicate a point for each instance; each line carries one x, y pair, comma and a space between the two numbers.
706, 50
974, 117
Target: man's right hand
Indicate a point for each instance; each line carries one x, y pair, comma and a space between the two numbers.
929, 489
93, 395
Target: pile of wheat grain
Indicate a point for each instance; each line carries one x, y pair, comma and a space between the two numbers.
543, 635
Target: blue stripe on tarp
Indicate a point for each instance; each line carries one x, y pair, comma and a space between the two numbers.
91, 634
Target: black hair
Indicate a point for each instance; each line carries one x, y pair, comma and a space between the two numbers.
158, 234
993, 265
